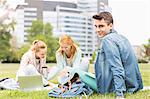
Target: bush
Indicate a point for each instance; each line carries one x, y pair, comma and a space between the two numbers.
142, 61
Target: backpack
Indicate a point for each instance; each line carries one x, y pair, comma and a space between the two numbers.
78, 88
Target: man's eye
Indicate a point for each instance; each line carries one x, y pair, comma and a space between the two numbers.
101, 26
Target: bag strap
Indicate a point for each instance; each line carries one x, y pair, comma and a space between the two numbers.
3, 79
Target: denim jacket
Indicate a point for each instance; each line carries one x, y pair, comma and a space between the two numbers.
116, 66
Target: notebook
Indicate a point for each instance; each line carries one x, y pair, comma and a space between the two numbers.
30, 83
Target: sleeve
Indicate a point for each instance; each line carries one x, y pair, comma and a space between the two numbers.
56, 69
113, 58
59, 60
24, 61
43, 62
77, 58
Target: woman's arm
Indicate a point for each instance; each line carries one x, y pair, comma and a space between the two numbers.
56, 69
77, 58
25, 60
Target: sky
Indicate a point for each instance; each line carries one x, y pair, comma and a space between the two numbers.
131, 18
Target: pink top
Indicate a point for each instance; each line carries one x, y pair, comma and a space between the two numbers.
29, 58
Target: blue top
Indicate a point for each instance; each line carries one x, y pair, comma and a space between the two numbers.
116, 67
62, 59
77, 63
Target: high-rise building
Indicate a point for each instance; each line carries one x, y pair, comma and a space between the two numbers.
87, 5
73, 22
93, 6
74, 19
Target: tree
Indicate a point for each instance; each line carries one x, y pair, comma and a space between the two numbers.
6, 9
147, 50
43, 32
5, 36
14, 56
6, 27
23, 49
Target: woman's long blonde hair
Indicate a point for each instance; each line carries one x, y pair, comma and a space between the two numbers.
37, 45
67, 40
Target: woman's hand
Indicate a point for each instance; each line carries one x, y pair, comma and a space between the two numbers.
63, 72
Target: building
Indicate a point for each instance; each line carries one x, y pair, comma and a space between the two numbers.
92, 7
74, 19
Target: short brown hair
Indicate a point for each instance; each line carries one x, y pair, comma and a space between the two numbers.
104, 15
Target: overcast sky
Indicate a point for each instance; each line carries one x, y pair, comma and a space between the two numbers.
131, 18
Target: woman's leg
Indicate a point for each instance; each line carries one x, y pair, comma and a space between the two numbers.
30, 70
88, 78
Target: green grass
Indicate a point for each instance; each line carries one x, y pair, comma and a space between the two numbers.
9, 70
145, 72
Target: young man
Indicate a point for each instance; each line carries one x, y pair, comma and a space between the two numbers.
116, 66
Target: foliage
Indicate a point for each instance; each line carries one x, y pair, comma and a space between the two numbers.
7, 52
5, 37
3, 7
147, 45
93, 57
142, 60
43, 32
2, 2
147, 52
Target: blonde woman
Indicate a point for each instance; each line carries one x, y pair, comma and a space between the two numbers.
69, 57
33, 60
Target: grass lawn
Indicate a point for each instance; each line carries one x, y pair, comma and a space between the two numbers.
9, 70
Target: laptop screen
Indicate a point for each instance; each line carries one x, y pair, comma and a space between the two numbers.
30, 83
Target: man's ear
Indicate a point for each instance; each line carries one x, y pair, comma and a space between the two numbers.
111, 25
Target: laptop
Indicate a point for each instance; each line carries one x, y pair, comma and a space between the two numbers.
30, 83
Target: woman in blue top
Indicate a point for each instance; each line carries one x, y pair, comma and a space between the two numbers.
69, 57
